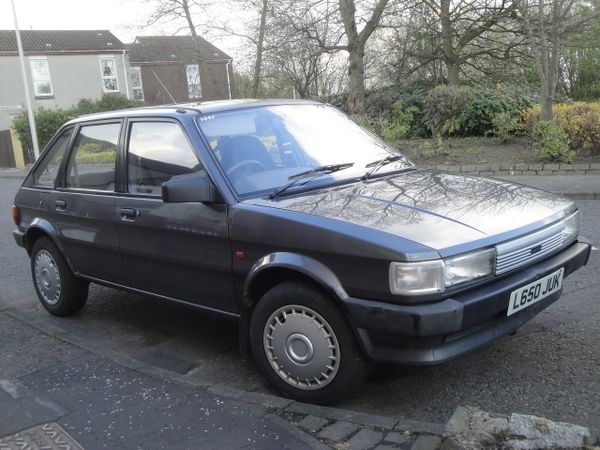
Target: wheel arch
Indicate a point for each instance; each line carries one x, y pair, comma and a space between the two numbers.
278, 267
42, 228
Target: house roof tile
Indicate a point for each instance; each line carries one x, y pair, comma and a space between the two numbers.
49, 41
171, 49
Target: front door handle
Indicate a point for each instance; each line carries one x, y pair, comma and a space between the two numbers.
60, 205
129, 214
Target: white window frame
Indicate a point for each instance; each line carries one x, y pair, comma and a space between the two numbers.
189, 87
135, 87
103, 77
34, 80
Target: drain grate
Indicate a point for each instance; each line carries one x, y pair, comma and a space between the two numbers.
49, 436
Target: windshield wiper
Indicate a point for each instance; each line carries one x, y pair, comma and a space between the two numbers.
315, 172
379, 164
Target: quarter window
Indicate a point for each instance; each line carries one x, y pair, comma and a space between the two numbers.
192, 72
45, 173
158, 151
108, 71
136, 83
40, 74
92, 163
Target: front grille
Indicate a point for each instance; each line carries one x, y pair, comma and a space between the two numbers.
522, 251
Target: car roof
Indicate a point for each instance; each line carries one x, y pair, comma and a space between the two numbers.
197, 107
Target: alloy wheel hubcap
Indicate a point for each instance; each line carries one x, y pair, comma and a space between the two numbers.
301, 347
47, 277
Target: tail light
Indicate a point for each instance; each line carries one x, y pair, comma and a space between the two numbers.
16, 213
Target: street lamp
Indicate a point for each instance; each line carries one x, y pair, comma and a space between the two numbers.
34, 139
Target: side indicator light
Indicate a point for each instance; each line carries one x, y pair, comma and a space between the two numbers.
16, 214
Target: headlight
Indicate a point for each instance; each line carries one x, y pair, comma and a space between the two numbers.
417, 278
430, 277
572, 225
468, 267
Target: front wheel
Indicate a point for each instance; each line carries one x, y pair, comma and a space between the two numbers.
59, 291
303, 344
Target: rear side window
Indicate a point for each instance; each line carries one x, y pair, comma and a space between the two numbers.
157, 152
92, 163
45, 173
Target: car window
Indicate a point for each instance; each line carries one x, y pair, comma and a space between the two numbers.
92, 163
45, 173
157, 152
263, 148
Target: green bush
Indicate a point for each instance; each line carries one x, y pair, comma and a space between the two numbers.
104, 156
392, 131
505, 125
486, 103
393, 128
48, 121
368, 122
477, 118
552, 143
445, 106
108, 102
393, 101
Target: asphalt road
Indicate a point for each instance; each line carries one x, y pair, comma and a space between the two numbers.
550, 368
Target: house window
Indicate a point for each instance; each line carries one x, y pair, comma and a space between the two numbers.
192, 72
136, 83
108, 71
40, 74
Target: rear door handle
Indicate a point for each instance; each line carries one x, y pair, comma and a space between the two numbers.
60, 205
129, 214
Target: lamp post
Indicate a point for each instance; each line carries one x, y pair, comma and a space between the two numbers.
34, 139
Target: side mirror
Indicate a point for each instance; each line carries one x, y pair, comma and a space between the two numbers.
190, 187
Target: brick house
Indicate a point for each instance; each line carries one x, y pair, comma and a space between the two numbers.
165, 70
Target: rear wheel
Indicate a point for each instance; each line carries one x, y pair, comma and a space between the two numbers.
304, 346
59, 291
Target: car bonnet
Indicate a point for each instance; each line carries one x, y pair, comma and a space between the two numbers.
436, 209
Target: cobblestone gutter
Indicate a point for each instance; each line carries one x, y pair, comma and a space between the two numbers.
518, 169
469, 428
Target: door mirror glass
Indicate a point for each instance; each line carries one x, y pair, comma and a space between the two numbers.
195, 187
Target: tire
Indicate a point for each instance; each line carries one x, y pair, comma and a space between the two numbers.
303, 344
59, 291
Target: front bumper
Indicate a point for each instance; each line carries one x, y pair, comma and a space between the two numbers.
19, 237
437, 332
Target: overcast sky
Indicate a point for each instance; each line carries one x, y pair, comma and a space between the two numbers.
122, 17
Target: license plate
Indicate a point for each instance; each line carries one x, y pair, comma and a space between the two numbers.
534, 292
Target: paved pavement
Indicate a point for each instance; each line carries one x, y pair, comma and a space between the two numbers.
102, 404
550, 368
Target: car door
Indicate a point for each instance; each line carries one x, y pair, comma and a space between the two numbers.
82, 206
177, 250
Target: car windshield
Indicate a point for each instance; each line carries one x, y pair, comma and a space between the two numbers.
262, 148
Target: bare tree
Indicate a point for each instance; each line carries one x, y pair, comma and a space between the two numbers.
459, 33
254, 24
547, 23
356, 42
462, 23
178, 10
260, 44
341, 27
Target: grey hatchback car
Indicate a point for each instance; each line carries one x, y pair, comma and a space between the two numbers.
326, 245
